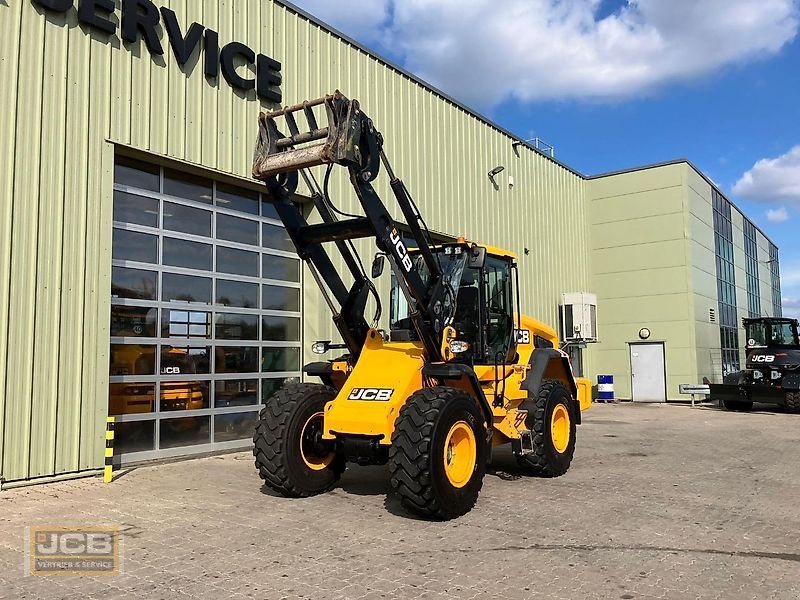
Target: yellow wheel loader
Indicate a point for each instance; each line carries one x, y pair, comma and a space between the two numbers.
459, 371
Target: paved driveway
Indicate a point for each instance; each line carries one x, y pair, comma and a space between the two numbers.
661, 502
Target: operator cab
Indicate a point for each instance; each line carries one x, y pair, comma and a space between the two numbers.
479, 301
771, 332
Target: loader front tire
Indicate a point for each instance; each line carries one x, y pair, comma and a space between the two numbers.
438, 455
552, 426
793, 402
290, 455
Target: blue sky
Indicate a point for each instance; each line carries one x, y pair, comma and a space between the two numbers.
612, 84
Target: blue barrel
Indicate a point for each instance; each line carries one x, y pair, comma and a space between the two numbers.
605, 388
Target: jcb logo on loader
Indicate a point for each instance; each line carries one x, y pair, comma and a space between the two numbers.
765, 358
400, 248
370, 394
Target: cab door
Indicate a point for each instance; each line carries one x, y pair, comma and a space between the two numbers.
498, 312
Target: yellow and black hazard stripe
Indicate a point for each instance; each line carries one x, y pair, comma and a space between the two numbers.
108, 473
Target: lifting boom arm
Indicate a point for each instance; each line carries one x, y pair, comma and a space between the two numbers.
349, 140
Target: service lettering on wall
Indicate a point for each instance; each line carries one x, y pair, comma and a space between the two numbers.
141, 20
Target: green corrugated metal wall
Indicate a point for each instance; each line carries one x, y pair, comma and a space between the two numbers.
69, 95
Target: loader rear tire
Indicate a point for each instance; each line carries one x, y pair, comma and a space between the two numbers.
553, 427
438, 455
793, 402
289, 454
740, 405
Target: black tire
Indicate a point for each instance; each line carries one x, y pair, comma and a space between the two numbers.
278, 442
793, 402
546, 459
738, 405
420, 449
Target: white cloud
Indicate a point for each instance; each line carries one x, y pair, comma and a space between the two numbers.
484, 51
772, 179
778, 215
362, 20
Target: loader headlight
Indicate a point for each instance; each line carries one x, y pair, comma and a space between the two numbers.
320, 347
458, 347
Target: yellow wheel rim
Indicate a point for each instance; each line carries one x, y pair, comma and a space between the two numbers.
307, 440
460, 454
560, 428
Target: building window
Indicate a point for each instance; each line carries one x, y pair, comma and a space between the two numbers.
751, 260
206, 311
726, 284
775, 272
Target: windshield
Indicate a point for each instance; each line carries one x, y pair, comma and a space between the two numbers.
757, 335
782, 335
763, 335
452, 266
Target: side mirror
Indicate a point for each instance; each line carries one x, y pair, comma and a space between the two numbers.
377, 265
477, 257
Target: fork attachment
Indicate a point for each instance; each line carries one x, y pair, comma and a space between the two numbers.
278, 153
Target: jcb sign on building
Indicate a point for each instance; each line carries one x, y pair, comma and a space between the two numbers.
143, 20
74, 551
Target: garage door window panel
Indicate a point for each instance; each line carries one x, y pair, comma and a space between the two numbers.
234, 229
236, 359
186, 288
188, 255
280, 298
186, 219
237, 392
280, 268
237, 262
236, 327
134, 246
133, 321
280, 360
135, 284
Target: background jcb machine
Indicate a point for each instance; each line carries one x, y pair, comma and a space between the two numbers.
459, 371
772, 368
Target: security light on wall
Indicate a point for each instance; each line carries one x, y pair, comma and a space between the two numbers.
496, 171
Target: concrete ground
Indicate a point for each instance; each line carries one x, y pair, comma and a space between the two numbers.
661, 502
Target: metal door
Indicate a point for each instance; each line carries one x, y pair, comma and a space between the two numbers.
648, 375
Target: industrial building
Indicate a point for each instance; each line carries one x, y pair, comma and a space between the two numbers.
144, 274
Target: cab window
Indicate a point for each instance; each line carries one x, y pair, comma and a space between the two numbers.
500, 310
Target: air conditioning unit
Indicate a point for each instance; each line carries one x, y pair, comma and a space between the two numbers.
578, 316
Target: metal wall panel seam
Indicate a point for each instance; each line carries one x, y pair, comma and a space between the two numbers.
96, 294
10, 52
162, 106
194, 85
120, 73
44, 409
225, 106
23, 261
246, 109
73, 255
140, 87
210, 99
255, 16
